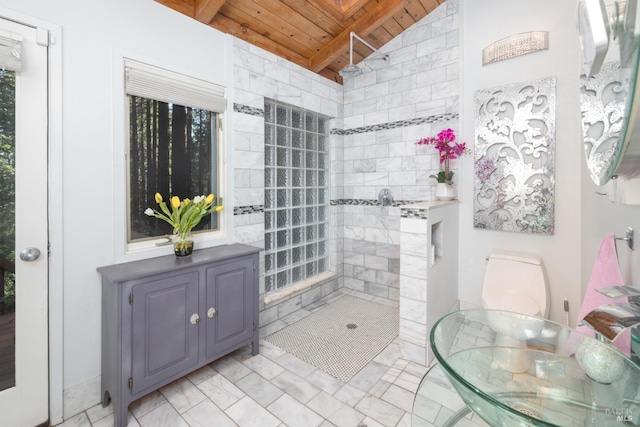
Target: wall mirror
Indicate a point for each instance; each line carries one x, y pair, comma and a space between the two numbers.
609, 36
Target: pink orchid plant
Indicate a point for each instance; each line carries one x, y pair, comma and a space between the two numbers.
449, 149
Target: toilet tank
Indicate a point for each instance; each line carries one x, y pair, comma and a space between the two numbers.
518, 274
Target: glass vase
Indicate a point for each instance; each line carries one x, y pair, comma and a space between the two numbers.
182, 245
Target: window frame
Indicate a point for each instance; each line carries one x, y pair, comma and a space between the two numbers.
196, 235
123, 250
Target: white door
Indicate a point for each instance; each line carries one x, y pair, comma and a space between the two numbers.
23, 226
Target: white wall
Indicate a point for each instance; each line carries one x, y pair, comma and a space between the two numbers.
95, 35
484, 22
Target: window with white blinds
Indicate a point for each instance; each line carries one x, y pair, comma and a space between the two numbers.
173, 146
10, 52
147, 81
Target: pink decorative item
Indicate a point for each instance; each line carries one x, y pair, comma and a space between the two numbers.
449, 149
606, 272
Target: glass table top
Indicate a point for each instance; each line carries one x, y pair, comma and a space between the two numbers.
517, 370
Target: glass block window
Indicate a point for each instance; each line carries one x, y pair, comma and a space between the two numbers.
296, 195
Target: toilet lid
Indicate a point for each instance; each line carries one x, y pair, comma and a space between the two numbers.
511, 301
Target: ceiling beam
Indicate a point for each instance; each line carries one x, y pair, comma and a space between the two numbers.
205, 10
362, 27
184, 7
229, 26
341, 10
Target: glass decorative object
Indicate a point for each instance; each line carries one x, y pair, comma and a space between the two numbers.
182, 245
512, 369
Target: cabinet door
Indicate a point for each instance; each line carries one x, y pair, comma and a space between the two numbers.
230, 292
164, 341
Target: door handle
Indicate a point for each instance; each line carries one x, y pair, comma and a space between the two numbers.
29, 254
211, 313
194, 318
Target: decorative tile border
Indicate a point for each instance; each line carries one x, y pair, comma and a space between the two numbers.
398, 124
445, 117
246, 210
414, 213
245, 109
369, 202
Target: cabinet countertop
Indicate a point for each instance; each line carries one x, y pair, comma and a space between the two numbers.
136, 269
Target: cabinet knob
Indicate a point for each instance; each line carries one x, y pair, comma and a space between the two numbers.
211, 313
194, 318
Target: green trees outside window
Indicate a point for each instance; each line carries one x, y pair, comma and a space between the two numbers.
173, 150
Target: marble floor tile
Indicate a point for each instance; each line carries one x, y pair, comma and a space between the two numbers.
108, 421
379, 388
408, 381
325, 404
295, 386
346, 417
381, 411
368, 376
182, 394
295, 365
405, 421
370, 423
259, 389
247, 413
201, 374
163, 416
231, 368
270, 351
389, 355
98, 412
146, 404
80, 420
399, 397
349, 395
207, 414
294, 413
324, 381
263, 366
277, 389
221, 391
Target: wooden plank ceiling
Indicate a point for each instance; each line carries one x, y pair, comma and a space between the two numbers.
311, 33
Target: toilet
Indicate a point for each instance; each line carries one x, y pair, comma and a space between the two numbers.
516, 284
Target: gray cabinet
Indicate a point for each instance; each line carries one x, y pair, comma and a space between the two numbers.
165, 317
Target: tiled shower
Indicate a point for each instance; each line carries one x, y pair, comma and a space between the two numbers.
376, 118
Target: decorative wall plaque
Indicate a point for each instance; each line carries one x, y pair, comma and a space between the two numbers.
514, 157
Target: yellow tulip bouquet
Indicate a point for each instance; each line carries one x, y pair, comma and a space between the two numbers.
183, 216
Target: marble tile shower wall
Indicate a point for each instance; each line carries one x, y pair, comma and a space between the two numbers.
378, 118
387, 109
258, 75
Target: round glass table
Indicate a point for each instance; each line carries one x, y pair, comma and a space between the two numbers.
499, 368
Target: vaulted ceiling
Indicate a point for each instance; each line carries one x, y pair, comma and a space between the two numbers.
311, 33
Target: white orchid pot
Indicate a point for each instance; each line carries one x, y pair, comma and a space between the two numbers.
446, 191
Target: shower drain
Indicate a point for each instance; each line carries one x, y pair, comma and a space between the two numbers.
351, 326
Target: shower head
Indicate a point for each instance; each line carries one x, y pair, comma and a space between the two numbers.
352, 70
